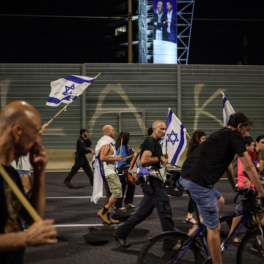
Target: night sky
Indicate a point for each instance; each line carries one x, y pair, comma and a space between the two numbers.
220, 31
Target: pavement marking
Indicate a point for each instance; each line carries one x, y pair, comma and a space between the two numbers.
83, 197
89, 197
79, 225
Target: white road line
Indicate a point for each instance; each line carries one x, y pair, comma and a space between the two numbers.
83, 197
89, 197
79, 225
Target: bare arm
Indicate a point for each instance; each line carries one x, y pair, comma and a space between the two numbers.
38, 160
128, 157
261, 165
146, 158
231, 176
251, 172
104, 157
39, 233
12, 241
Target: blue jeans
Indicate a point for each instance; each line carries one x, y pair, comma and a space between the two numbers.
206, 201
130, 190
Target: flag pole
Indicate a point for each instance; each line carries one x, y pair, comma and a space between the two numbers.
188, 135
32, 212
64, 108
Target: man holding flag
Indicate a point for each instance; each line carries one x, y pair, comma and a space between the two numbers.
20, 128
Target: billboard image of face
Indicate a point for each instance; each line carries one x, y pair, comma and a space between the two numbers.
164, 31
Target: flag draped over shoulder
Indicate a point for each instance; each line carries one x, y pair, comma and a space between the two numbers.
175, 141
97, 168
227, 110
67, 89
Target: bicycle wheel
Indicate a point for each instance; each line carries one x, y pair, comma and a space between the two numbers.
162, 249
251, 249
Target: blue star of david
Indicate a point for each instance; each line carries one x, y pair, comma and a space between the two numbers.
172, 137
68, 89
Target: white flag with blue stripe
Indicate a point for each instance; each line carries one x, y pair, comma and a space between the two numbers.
67, 89
175, 141
228, 110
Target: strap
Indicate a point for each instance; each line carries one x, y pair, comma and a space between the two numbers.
108, 150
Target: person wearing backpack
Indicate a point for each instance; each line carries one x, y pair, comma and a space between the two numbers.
122, 167
155, 195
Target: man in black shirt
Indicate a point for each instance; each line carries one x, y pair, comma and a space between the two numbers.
83, 143
155, 195
20, 125
205, 166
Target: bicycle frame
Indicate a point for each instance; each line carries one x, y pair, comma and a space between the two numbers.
247, 215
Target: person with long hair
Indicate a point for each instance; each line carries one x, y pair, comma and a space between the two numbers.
198, 137
122, 167
255, 155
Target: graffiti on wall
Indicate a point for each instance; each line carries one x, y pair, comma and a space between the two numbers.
100, 111
199, 110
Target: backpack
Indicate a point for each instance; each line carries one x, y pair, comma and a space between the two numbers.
132, 174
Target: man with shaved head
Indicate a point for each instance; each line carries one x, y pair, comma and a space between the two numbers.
20, 125
155, 195
104, 165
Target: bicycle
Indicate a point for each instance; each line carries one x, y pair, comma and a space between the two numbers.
188, 249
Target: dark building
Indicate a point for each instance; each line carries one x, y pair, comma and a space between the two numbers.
116, 31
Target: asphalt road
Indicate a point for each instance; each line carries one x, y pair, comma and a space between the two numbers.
82, 238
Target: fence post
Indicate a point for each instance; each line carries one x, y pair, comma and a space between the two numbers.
179, 91
83, 106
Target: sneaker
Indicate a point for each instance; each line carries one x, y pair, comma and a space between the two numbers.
121, 241
113, 221
103, 216
68, 184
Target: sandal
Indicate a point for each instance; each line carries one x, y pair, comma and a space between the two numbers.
120, 208
130, 206
191, 220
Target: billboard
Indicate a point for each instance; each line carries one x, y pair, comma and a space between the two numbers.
164, 31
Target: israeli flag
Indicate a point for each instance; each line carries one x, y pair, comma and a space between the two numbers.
227, 110
67, 89
175, 141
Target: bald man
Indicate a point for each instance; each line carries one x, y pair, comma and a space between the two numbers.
155, 195
112, 184
20, 125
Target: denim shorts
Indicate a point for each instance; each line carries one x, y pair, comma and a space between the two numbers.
239, 206
206, 201
23, 172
